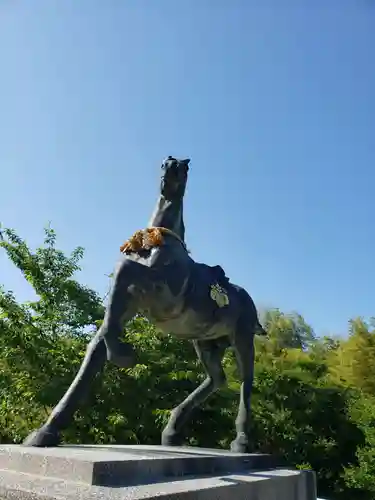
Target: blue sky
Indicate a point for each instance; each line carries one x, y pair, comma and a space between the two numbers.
273, 101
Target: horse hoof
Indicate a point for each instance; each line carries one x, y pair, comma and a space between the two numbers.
123, 356
240, 445
42, 437
170, 439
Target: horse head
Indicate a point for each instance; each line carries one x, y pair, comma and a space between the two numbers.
174, 178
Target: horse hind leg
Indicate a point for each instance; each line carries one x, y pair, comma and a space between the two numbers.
105, 344
243, 346
210, 354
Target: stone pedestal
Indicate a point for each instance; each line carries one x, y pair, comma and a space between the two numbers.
146, 472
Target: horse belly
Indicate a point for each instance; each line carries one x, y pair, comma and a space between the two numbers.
190, 326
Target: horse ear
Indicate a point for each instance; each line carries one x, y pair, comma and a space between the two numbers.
165, 160
186, 161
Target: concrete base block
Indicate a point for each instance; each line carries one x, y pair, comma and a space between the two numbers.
146, 472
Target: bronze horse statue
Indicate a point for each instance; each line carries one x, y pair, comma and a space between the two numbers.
157, 277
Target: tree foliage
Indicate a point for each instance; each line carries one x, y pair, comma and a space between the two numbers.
313, 403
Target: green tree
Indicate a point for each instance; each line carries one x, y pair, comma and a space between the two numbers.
43, 343
353, 362
361, 476
288, 330
313, 401
39, 340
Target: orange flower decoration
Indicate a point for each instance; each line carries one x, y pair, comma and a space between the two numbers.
144, 239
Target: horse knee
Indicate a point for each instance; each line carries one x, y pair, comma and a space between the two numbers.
110, 328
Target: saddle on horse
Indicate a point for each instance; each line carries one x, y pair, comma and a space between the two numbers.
216, 274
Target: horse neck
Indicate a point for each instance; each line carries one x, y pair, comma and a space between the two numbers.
169, 214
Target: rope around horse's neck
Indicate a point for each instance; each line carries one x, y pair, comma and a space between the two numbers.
165, 230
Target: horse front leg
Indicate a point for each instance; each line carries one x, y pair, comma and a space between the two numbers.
210, 354
105, 344
244, 350
62, 414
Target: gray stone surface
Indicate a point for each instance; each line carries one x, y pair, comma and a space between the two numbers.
124, 465
140, 472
